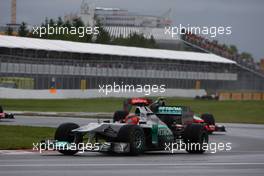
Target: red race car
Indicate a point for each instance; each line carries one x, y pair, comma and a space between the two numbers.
209, 120
4, 115
206, 118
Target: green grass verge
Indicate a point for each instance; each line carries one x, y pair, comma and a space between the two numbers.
67, 105
22, 137
227, 111
224, 111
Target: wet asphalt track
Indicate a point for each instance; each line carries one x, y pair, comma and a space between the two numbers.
245, 158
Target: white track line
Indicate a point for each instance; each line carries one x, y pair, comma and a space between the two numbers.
15, 152
128, 164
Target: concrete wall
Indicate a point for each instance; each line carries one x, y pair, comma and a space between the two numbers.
8, 93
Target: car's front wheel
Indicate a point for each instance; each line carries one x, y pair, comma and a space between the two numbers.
134, 135
64, 134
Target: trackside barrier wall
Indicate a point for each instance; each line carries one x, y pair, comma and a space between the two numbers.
224, 96
9, 93
256, 96
247, 95
236, 96
241, 96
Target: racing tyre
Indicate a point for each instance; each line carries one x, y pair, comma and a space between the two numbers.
208, 119
134, 135
9, 116
195, 136
64, 133
119, 115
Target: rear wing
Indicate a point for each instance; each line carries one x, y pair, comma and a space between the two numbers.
136, 102
139, 101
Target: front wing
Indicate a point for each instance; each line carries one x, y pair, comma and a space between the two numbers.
106, 147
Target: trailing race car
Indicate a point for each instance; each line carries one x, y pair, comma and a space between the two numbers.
4, 115
134, 133
207, 119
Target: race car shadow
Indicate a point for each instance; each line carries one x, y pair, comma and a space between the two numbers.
95, 154
218, 134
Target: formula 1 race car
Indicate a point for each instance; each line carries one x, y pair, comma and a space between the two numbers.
207, 119
4, 115
134, 134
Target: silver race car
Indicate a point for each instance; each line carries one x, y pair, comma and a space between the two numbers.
132, 134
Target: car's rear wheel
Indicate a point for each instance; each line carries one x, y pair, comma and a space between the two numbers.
134, 135
195, 137
9, 116
208, 119
64, 133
